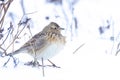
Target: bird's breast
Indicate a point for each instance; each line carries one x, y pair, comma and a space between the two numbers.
54, 44
49, 51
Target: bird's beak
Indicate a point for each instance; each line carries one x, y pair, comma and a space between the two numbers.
62, 29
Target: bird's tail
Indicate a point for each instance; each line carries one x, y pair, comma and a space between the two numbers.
13, 53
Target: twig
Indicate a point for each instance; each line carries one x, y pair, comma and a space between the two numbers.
78, 48
4, 51
14, 60
43, 68
6, 62
117, 52
5, 11
9, 30
17, 34
1, 53
29, 30
118, 49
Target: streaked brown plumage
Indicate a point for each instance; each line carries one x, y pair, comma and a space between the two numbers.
45, 44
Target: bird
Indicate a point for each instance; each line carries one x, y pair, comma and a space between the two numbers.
44, 45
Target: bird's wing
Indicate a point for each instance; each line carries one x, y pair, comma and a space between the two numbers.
37, 42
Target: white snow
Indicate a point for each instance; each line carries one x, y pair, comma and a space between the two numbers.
96, 60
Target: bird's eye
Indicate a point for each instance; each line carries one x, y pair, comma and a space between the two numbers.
55, 28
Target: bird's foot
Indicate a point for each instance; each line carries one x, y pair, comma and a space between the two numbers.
53, 65
36, 64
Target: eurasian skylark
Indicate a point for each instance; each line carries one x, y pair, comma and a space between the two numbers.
44, 44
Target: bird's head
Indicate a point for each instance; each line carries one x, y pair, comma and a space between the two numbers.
53, 27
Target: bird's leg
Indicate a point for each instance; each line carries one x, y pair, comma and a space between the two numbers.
53, 64
34, 63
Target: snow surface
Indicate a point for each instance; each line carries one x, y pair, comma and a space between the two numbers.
96, 60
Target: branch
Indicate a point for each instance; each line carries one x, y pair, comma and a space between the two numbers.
5, 7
